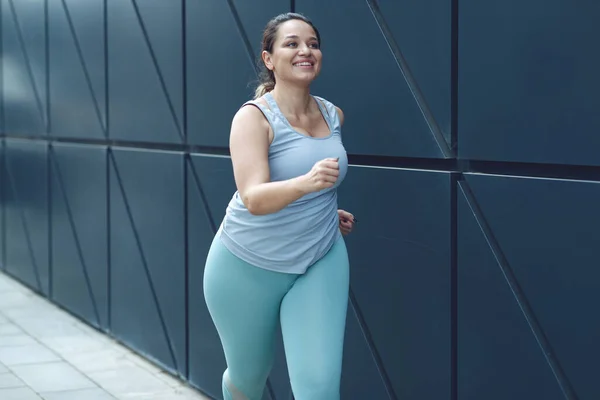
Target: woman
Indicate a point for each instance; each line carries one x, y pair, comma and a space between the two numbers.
279, 255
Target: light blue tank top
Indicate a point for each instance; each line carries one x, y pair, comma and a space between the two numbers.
294, 238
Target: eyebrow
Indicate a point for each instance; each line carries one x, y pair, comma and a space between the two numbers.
296, 37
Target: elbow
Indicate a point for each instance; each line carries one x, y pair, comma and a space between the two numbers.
252, 205
252, 209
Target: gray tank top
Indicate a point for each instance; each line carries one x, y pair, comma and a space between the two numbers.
294, 238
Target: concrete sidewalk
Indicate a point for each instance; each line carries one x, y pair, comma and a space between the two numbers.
45, 353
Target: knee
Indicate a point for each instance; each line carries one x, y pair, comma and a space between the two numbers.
316, 384
237, 389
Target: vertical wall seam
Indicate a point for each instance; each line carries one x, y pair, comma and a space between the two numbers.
145, 265
47, 61
518, 293
186, 256
88, 282
2, 142
454, 73
3, 194
108, 243
48, 129
49, 205
106, 71
2, 123
184, 69
411, 81
454, 178
23, 219
211, 221
186, 240
107, 172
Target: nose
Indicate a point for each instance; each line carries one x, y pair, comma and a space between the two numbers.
304, 49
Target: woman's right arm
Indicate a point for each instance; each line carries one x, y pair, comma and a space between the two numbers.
249, 147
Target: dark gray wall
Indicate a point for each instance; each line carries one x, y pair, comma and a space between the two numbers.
473, 135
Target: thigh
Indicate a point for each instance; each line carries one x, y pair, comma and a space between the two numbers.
313, 318
244, 301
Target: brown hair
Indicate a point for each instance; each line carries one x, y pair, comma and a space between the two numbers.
266, 77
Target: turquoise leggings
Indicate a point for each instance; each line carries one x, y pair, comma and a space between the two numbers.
246, 303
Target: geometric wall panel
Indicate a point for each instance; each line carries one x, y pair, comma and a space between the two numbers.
2, 205
279, 381
361, 76
548, 232
220, 74
254, 17
79, 231
428, 54
147, 254
77, 77
207, 361
145, 70
464, 286
529, 91
360, 376
24, 67
26, 213
400, 274
498, 356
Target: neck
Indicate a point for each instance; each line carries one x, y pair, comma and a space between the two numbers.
292, 100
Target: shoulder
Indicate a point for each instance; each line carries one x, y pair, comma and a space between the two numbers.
252, 121
332, 107
340, 114
251, 113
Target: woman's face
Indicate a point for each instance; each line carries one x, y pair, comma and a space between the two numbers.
296, 55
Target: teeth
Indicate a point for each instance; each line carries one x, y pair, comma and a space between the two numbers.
304, 64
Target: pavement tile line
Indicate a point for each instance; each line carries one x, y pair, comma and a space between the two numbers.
55, 345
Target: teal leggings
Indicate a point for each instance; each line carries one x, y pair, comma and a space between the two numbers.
246, 303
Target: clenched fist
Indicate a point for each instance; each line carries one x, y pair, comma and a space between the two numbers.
347, 221
322, 175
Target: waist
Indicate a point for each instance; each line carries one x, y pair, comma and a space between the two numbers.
289, 240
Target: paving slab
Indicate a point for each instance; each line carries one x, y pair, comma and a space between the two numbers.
48, 354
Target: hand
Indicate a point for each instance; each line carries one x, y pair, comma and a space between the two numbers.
322, 175
347, 221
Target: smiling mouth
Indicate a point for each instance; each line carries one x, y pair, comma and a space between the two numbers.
304, 64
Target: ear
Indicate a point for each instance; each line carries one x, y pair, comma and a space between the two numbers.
266, 57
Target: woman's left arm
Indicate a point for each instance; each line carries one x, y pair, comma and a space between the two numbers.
347, 220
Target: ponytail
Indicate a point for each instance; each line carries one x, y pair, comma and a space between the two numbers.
267, 83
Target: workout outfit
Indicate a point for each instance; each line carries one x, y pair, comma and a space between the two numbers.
289, 267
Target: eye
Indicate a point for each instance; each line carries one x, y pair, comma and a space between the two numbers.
291, 44
314, 45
